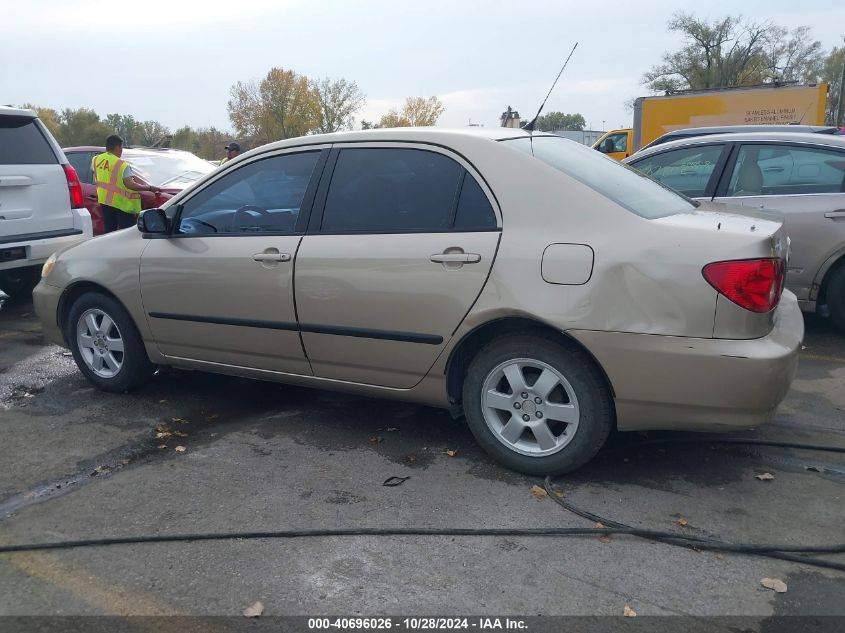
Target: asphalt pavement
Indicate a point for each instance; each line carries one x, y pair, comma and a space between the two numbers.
194, 452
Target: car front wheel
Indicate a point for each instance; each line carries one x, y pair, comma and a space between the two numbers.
106, 345
536, 406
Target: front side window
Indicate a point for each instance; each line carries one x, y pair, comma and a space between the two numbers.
687, 170
623, 185
391, 190
262, 197
772, 170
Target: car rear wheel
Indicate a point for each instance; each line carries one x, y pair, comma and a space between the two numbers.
536, 406
106, 344
836, 298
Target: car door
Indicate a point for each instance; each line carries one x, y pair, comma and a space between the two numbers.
806, 184
615, 145
220, 288
692, 171
389, 268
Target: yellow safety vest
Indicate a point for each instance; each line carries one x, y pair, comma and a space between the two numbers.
108, 176
223, 160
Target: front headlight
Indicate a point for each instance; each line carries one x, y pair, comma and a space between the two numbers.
47, 268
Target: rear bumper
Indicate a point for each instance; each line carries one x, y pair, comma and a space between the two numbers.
38, 249
45, 300
668, 382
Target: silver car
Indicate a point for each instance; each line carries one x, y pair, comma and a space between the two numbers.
797, 177
539, 287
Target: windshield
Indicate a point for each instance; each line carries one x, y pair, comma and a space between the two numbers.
174, 170
622, 184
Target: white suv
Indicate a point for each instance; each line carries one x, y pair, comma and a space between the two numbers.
41, 204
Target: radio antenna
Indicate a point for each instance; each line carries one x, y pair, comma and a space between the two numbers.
529, 127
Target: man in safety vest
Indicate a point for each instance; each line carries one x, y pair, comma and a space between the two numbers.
117, 187
232, 150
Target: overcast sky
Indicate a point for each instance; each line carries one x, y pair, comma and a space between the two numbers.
175, 60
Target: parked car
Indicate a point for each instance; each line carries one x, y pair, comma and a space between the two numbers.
544, 289
689, 132
169, 169
41, 209
799, 177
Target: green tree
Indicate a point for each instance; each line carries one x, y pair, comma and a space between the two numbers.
831, 72
560, 121
50, 118
393, 119
125, 126
339, 101
82, 126
151, 132
204, 142
732, 51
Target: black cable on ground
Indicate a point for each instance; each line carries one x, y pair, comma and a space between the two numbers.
701, 543
778, 551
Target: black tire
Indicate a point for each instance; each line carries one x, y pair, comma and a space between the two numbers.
19, 282
597, 413
836, 297
135, 366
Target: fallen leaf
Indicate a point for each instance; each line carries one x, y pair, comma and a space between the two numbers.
102, 469
538, 492
605, 538
375, 439
162, 434
559, 494
162, 428
451, 453
180, 434
765, 477
162, 446
775, 584
682, 522
178, 420
180, 449
391, 428
628, 612
67, 354
392, 482
411, 458
254, 610
720, 556
599, 525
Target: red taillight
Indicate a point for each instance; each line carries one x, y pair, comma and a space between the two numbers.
75, 187
754, 284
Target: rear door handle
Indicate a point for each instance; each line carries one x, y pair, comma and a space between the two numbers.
456, 258
271, 257
839, 214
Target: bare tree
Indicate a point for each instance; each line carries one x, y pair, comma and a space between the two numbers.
339, 101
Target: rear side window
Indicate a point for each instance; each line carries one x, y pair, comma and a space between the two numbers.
81, 162
22, 143
474, 211
772, 170
391, 190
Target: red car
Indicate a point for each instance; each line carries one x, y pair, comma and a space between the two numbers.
170, 169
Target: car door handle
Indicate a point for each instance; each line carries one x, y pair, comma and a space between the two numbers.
271, 257
839, 214
456, 258
770, 170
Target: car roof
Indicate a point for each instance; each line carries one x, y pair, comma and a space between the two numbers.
10, 111
829, 140
418, 134
137, 151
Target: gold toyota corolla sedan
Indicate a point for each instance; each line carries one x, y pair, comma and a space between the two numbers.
548, 292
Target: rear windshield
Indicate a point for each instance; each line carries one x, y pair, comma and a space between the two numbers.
22, 143
625, 186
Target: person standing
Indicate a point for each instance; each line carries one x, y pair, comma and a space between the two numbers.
117, 187
232, 150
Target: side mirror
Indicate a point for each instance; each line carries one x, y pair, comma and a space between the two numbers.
153, 222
